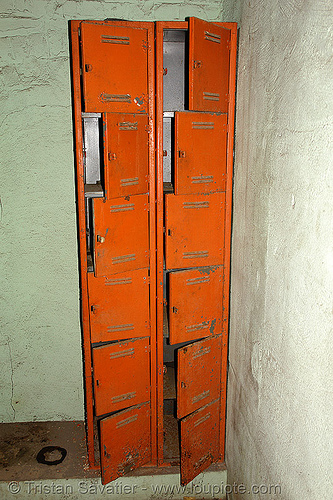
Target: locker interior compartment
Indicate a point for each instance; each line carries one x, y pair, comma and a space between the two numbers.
174, 97
93, 172
171, 425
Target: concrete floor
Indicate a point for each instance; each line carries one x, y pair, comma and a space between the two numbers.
22, 476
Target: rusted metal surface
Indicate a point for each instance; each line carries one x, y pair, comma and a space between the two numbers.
194, 230
199, 441
190, 232
125, 441
169, 382
198, 375
79, 165
209, 57
121, 234
228, 219
200, 152
115, 67
125, 154
121, 375
119, 306
171, 447
195, 303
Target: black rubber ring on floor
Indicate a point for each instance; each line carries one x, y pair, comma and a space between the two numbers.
48, 449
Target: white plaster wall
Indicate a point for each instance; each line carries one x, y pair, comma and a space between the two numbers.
280, 405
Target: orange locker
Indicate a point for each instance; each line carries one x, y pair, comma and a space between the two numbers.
110, 84
194, 230
200, 152
125, 154
154, 193
209, 58
200, 441
121, 234
121, 375
125, 441
195, 305
109, 297
198, 377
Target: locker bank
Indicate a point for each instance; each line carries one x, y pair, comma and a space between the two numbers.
154, 130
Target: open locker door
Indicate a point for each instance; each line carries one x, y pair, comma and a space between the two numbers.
198, 405
209, 61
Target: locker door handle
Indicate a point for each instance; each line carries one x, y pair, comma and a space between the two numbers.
181, 154
100, 239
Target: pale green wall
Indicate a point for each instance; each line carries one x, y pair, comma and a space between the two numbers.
280, 404
40, 342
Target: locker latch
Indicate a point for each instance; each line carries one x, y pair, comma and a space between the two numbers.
181, 154
100, 238
88, 67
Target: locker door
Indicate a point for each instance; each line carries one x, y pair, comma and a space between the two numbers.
111, 318
125, 441
209, 58
125, 154
121, 234
115, 70
200, 441
121, 375
198, 375
194, 230
195, 303
200, 152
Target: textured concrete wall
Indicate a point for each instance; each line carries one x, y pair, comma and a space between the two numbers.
280, 409
40, 340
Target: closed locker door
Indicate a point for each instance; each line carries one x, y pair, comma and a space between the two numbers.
194, 230
195, 305
125, 154
114, 68
121, 375
121, 234
200, 152
119, 306
198, 375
